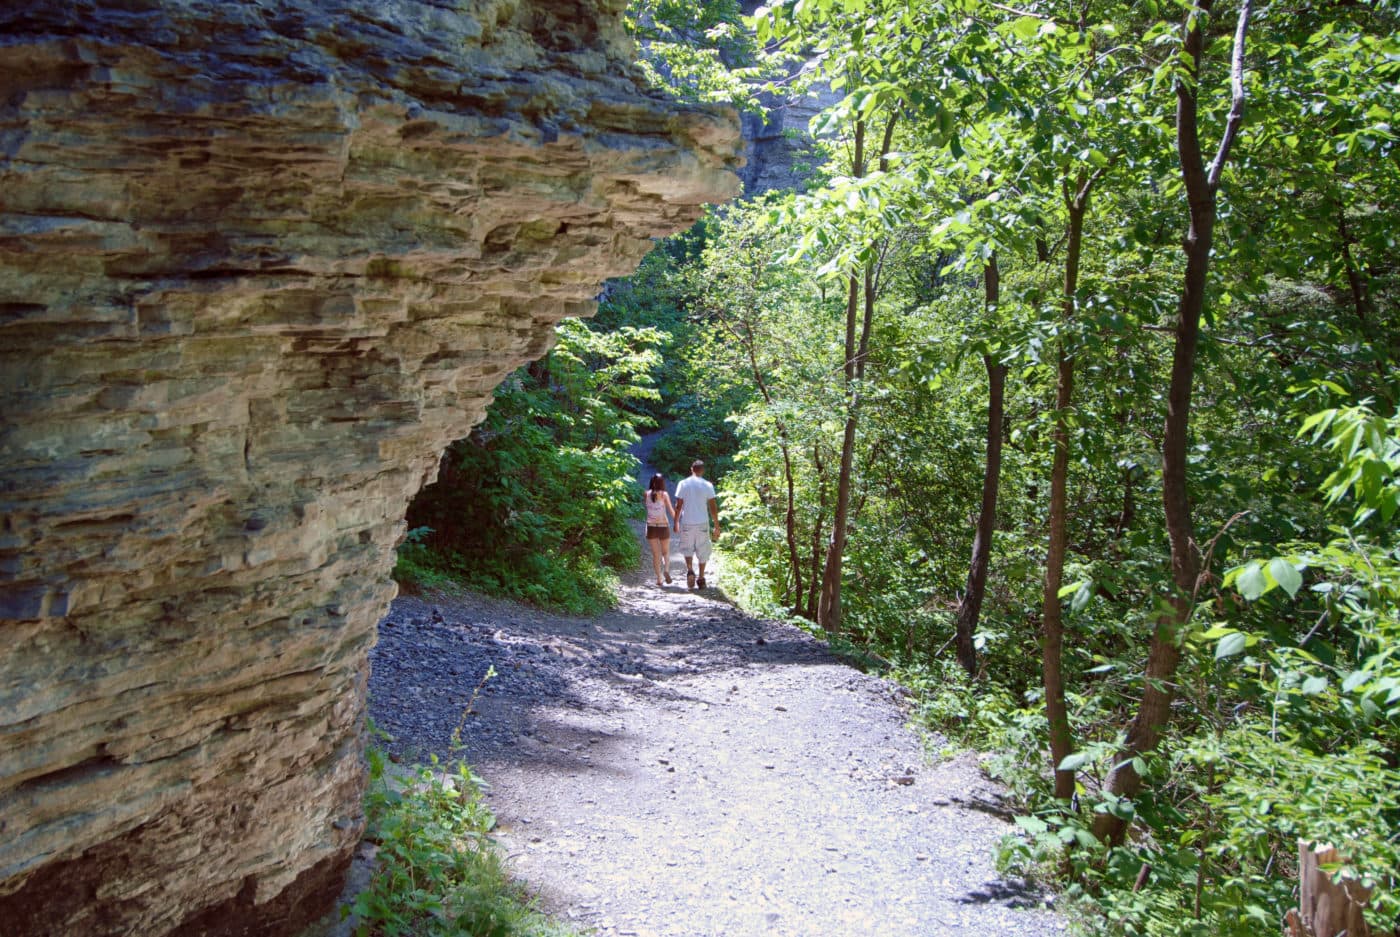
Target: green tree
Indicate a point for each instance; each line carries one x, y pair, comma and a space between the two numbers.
1027, 216
534, 503
1201, 182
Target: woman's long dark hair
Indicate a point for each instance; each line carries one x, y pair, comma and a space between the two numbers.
657, 483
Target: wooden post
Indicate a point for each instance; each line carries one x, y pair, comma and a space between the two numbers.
1327, 908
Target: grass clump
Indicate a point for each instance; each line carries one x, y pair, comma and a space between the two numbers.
437, 871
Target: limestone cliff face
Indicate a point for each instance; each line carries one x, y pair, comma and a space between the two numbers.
259, 263
778, 150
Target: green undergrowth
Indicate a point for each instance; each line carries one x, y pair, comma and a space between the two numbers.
418, 569
535, 504
572, 584
437, 871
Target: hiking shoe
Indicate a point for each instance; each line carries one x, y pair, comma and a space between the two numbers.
700, 583
689, 579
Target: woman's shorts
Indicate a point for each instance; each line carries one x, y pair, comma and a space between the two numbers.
658, 533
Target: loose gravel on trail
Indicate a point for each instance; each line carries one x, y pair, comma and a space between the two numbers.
677, 767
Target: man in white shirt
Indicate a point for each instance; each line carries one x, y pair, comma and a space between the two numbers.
696, 511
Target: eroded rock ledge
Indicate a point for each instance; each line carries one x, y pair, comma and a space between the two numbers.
259, 264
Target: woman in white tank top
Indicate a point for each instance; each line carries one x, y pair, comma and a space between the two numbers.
659, 506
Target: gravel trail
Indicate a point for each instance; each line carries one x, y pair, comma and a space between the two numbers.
676, 767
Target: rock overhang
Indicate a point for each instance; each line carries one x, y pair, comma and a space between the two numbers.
258, 266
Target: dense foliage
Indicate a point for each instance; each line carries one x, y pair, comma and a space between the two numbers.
534, 504
1105, 294
697, 51
1007, 189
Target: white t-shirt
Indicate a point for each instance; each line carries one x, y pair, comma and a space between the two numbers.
697, 494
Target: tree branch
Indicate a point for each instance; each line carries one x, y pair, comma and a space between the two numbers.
1236, 118
886, 142
1082, 195
1027, 13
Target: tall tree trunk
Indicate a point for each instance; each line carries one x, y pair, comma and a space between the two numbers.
860, 300
1202, 182
790, 510
1360, 295
971, 606
790, 522
1364, 309
1051, 616
815, 581
1052, 631
829, 608
829, 604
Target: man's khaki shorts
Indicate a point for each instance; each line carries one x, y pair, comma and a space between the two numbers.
695, 541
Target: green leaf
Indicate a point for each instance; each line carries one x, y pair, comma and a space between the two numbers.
1251, 583
1082, 595
1025, 27
1230, 645
1122, 809
1073, 761
1314, 685
1354, 679
1288, 577
1032, 825
947, 121
1070, 589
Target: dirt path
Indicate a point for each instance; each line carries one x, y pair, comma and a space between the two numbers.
676, 767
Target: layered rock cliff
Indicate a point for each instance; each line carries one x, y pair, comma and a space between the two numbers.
778, 150
259, 263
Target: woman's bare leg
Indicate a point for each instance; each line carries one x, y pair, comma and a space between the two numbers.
656, 557
666, 558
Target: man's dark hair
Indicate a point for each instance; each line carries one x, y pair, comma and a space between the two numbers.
697, 464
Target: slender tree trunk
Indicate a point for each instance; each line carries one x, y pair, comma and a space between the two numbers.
1052, 614
1360, 296
1051, 620
971, 606
790, 510
829, 609
860, 299
1364, 308
790, 521
1202, 182
829, 604
814, 589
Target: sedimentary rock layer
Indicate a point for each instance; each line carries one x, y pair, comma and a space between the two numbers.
259, 263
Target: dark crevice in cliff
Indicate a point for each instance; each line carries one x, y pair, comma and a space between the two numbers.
96, 766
